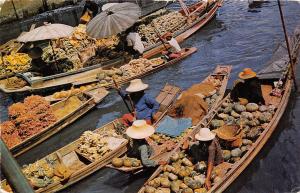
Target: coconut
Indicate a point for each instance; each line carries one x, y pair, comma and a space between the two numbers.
253, 133
225, 104
187, 190
187, 162
236, 152
265, 117
226, 154
251, 107
163, 190
239, 108
247, 142
200, 178
263, 108
234, 114
175, 187
223, 116
117, 162
247, 115
228, 109
215, 123
201, 167
172, 176
183, 173
230, 120
174, 157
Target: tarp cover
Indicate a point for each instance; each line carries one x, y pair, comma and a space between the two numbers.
277, 66
173, 127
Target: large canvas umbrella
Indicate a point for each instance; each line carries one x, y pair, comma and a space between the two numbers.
113, 20
47, 31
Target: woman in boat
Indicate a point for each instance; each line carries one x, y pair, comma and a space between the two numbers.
144, 105
175, 51
38, 65
206, 148
134, 42
249, 88
139, 148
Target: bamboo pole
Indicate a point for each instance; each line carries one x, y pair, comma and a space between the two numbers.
12, 171
287, 44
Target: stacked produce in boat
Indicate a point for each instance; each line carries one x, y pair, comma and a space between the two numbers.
14, 63
126, 162
133, 68
239, 124
26, 119
171, 22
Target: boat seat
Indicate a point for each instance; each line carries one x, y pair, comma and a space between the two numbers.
269, 100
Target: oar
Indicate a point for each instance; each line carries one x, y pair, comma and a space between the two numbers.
119, 91
159, 37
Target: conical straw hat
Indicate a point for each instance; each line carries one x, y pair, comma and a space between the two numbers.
247, 73
205, 135
140, 130
136, 85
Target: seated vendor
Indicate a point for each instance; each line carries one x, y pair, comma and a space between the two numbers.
139, 148
175, 51
38, 65
145, 106
134, 42
249, 88
207, 148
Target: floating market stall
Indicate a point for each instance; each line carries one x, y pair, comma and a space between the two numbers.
35, 120
181, 24
104, 75
198, 109
92, 151
242, 127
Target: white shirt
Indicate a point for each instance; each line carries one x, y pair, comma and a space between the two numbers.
134, 39
173, 42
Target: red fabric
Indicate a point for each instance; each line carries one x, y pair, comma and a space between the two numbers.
174, 55
128, 120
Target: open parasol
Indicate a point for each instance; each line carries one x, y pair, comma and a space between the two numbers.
113, 20
47, 31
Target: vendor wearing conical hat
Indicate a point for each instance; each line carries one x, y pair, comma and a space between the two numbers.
205, 147
145, 106
140, 149
249, 87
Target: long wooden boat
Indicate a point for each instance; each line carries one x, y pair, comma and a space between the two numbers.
88, 100
183, 34
87, 77
81, 165
222, 73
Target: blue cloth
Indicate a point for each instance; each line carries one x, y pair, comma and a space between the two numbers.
173, 127
145, 106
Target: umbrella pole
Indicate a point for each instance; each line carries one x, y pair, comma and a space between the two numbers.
287, 44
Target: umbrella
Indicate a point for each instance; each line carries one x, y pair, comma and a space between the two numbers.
108, 5
113, 20
47, 31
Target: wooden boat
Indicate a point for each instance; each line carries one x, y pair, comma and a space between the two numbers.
88, 100
87, 77
234, 170
183, 34
222, 73
83, 166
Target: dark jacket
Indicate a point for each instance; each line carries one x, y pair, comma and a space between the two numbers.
250, 89
92, 6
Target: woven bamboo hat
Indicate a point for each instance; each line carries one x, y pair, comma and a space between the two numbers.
247, 73
136, 85
140, 130
205, 135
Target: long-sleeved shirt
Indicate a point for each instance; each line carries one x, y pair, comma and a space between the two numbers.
145, 106
249, 89
134, 40
145, 153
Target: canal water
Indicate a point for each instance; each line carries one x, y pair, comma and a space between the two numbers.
239, 36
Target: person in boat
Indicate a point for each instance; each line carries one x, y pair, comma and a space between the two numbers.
91, 7
38, 65
249, 87
206, 148
175, 51
145, 106
134, 42
140, 149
